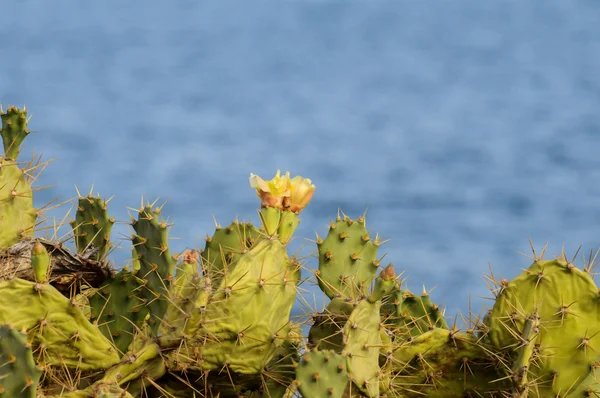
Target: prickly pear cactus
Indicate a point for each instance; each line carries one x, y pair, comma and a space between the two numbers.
157, 265
189, 294
408, 315
17, 215
347, 259
322, 374
56, 326
563, 300
446, 364
19, 374
118, 308
243, 322
363, 341
224, 248
92, 226
14, 130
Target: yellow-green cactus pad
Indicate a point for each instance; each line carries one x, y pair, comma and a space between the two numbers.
60, 333
244, 321
567, 303
17, 214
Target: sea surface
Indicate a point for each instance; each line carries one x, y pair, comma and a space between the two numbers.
465, 128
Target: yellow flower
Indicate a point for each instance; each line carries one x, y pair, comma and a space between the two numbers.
271, 193
301, 192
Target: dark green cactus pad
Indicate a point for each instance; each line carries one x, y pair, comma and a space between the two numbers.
19, 375
322, 374
347, 259
280, 372
408, 315
14, 130
187, 288
118, 308
225, 247
445, 364
327, 331
92, 226
17, 215
566, 300
156, 264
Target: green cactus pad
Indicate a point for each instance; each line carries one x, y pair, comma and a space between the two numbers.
327, 331
17, 215
280, 372
322, 374
287, 226
156, 264
363, 341
19, 375
187, 287
566, 300
347, 259
225, 247
92, 226
14, 130
118, 308
408, 315
445, 364
56, 327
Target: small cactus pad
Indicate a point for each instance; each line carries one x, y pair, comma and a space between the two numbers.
19, 375
92, 226
327, 331
322, 374
14, 130
156, 264
347, 259
224, 248
40, 262
409, 316
187, 287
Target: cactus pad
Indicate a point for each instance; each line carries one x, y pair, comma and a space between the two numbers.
92, 226
14, 130
566, 300
322, 374
56, 326
347, 259
19, 375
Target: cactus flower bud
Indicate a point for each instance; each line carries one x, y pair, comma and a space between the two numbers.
273, 192
301, 192
388, 273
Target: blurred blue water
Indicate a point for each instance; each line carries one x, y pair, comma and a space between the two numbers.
464, 127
